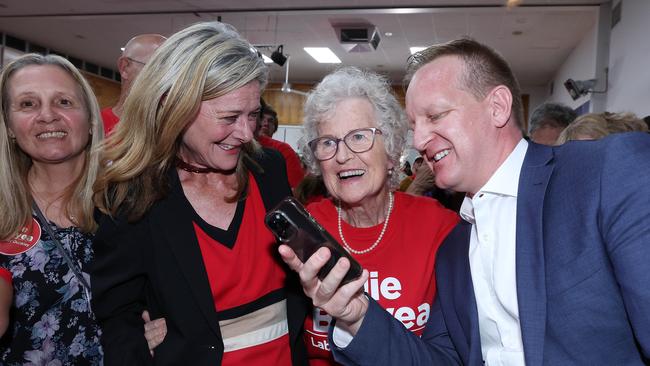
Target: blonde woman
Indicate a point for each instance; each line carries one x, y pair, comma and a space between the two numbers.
594, 126
184, 196
49, 125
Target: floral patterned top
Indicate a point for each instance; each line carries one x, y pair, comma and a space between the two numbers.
51, 321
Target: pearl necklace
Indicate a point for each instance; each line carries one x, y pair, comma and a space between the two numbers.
381, 234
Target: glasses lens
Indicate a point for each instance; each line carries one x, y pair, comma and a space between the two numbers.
324, 148
360, 140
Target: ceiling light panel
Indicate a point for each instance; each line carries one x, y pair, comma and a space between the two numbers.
416, 49
323, 55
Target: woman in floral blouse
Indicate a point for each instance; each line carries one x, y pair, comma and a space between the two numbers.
49, 126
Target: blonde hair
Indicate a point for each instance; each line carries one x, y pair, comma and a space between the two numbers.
15, 194
202, 62
598, 125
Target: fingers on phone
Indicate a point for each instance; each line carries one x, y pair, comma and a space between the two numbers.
332, 281
355, 287
347, 293
308, 273
315, 263
289, 257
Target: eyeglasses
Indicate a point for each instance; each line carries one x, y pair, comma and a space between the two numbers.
358, 141
136, 61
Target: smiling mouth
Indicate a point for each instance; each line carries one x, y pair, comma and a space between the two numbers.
441, 155
350, 173
52, 134
227, 147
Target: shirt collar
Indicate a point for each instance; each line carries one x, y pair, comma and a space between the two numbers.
504, 181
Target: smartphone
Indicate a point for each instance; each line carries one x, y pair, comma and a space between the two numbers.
293, 225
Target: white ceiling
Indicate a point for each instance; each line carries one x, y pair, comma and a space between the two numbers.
94, 30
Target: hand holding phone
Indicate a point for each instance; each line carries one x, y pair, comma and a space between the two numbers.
293, 225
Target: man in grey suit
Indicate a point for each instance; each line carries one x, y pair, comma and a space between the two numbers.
551, 262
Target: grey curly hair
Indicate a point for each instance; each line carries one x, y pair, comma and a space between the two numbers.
351, 82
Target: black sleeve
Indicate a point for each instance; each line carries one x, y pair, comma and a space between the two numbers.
118, 281
271, 176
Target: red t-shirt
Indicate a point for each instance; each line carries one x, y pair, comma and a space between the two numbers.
110, 120
247, 283
294, 168
402, 277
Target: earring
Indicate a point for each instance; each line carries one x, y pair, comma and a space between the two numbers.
390, 171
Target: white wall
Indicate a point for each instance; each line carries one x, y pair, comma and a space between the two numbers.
580, 65
290, 134
536, 96
629, 60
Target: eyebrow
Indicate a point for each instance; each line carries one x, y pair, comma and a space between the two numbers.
56, 93
233, 111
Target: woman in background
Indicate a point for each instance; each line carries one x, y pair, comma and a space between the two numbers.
594, 126
49, 126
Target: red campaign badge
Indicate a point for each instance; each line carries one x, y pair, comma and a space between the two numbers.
28, 236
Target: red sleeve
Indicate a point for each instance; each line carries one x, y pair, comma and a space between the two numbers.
109, 119
433, 211
294, 168
4, 273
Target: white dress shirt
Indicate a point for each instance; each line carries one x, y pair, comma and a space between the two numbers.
493, 215
492, 211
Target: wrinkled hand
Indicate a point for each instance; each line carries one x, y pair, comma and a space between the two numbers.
347, 303
154, 330
424, 181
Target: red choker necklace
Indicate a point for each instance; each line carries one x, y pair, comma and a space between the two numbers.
192, 168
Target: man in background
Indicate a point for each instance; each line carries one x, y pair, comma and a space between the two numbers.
136, 54
267, 124
268, 121
547, 122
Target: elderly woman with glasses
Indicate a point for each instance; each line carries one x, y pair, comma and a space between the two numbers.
356, 131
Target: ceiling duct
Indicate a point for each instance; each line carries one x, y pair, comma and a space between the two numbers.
358, 37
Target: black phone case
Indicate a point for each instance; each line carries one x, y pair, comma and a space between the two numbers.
293, 225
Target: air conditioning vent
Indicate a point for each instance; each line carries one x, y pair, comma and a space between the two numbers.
358, 38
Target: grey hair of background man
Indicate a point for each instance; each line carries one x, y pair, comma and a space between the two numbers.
351, 82
554, 115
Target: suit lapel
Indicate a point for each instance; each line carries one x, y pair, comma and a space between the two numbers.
531, 275
454, 278
180, 236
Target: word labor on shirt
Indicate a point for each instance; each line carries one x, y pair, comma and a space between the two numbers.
387, 291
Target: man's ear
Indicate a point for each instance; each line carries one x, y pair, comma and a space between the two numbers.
122, 67
500, 105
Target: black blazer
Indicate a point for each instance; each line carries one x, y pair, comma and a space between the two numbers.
156, 264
